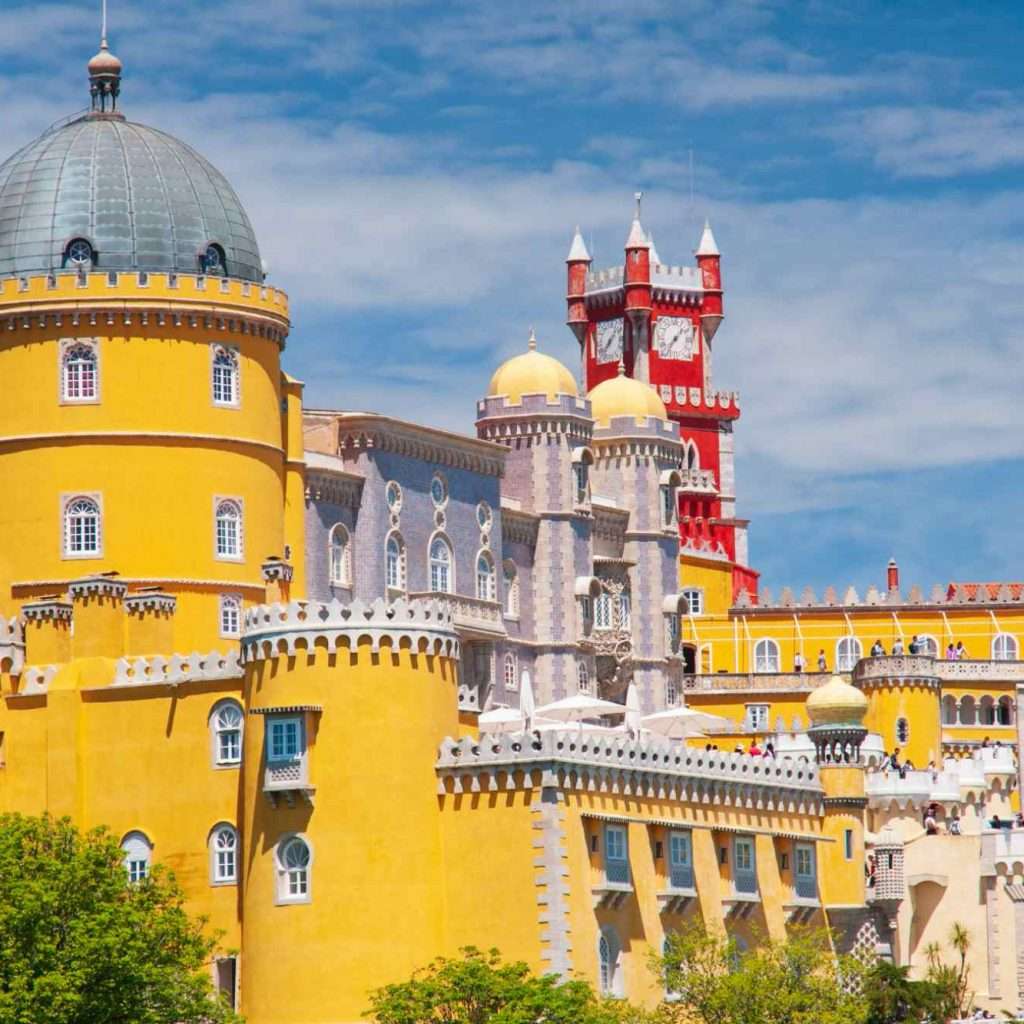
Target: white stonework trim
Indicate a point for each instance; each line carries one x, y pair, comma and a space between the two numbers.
62, 348
184, 581
121, 435
65, 500
553, 917
219, 499
178, 668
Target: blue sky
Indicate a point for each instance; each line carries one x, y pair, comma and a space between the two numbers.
414, 172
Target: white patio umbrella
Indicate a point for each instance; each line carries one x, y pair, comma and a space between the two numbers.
527, 706
678, 723
633, 716
579, 706
502, 720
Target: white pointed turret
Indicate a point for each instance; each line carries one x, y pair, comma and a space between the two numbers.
637, 236
578, 250
707, 245
655, 258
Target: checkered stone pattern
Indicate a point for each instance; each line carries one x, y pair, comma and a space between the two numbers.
552, 882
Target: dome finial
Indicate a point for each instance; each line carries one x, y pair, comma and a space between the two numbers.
104, 73
622, 367
531, 343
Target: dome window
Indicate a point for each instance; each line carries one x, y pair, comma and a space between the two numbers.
79, 254
213, 262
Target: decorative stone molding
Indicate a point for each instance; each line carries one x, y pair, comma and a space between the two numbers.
342, 489
271, 630
471, 616
519, 527
552, 883
46, 608
12, 643
36, 679
574, 760
890, 671
277, 570
178, 668
969, 595
157, 601
99, 585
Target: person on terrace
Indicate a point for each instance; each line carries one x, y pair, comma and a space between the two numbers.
877, 650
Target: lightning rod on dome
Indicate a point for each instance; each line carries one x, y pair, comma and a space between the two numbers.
103, 24
638, 196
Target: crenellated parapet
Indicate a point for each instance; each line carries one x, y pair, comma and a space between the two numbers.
275, 629
874, 597
178, 668
575, 760
896, 671
534, 416
12, 645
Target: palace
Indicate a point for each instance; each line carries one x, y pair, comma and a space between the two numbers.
376, 691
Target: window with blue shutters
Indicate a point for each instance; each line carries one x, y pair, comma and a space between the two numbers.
616, 856
805, 873
744, 867
680, 860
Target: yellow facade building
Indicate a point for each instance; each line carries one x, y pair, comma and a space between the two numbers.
377, 691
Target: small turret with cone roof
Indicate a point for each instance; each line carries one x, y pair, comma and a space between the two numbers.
709, 261
577, 268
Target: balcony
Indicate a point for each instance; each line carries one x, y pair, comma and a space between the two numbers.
473, 618
288, 779
676, 897
805, 900
910, 788
780, 682
616, 886
912, 666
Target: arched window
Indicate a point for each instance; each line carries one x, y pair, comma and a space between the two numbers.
967, 711
138, 856
510, 674
293, 860
79, 374
949, 710
927, 645
1004, 647
230, 615
228, 529
224, 855
340, 553
625, 617
986, 711
902, 730
603, 611
441, 566
79, 254
226, 723
582, 677
1004, 711
609, 955
766, 655
212, 261
394, 562
848, 653
485, 584
82, 533
511, 577
225, 376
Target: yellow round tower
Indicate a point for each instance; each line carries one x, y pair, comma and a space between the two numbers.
146, 436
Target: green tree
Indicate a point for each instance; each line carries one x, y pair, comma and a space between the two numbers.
893, 998
79, 944
952, 982
796, 981
480, 989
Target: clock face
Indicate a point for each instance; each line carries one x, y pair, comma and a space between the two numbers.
608, 341
673, 337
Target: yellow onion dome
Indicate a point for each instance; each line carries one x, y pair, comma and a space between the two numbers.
624, 396
531, 373
838, 702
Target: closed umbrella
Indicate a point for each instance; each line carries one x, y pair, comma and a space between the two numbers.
633, 716
526, 702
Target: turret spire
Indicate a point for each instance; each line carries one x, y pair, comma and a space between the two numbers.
104, 73
578, 250
531, 344
707, 245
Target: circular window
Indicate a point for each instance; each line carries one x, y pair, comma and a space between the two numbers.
213, 260
393, 496
483, 515
438, 490
80, 253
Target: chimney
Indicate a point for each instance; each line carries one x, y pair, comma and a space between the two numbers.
893, 576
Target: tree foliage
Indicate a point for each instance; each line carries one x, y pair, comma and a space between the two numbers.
796, 981
480, 989
79, 944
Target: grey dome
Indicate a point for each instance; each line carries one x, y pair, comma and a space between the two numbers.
141, 198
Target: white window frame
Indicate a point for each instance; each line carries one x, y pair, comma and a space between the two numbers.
138, 855
609, 961
510, 580
224, 851
767, 655
394, 562
582, 677
67, 351
439, 478
693, 599
69, 502
226, 738
436, 566
756, 717
486, 578
286, 739
1003, 646
339, 556
237, 554
229, 615
294, 880
616, 851
510, 671
849, 650
225, 386
927, 640
603, 611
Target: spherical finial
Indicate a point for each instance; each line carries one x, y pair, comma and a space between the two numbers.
104, 74
531, 344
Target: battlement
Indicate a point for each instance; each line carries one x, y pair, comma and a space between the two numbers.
874, 597
683, 279
697, 402
609, 279
12, 645
270, 630
572, 759
650, 427
961, 780
540, 405
178, 668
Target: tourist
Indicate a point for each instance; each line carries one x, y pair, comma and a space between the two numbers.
897, 648
961, 651
755, 750
877, 650
954, 825
798, 662
986, 742
894, 759
915, 647
995, 822
931, 826
822, 663
769, 749
869, 870
738, 749
950, 651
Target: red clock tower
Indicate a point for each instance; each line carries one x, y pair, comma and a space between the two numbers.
661, 320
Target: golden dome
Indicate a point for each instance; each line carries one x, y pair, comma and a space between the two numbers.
838, 702
531, 373
624, 396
